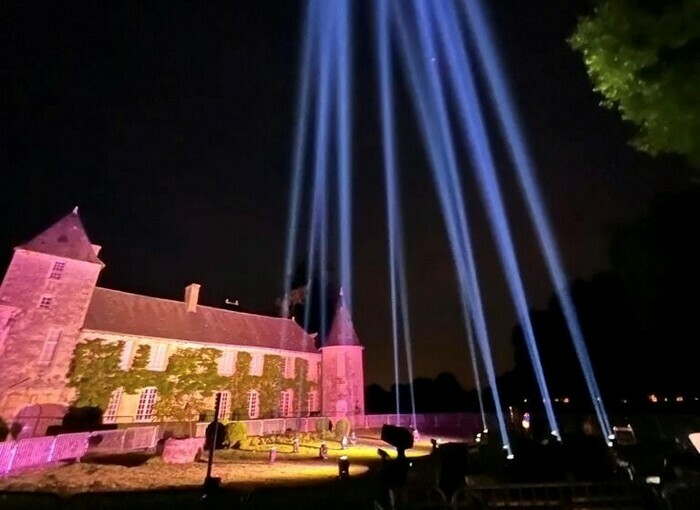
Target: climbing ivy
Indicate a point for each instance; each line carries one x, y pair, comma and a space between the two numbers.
94, 371
270, 384
240, 383
191, 376
300, 384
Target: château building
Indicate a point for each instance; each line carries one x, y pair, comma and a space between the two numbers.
64, 342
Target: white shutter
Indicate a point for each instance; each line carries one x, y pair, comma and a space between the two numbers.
127, 350
49, 348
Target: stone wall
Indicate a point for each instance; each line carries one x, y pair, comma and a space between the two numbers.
342, 381
23, 381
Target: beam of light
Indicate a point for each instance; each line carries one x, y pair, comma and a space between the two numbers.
510, 125
319, 223
343, 122
475, 369
474, 130
398, 286
309, 34
440, 149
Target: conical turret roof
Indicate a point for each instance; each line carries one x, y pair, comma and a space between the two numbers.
342, 331
66, 238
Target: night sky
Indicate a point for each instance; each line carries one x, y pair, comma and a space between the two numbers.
170, 124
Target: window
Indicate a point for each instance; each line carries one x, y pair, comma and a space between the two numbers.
49, 348
227, 362
45, 302
256, 364
158, 357
312, 402
289, 368
147, 404
110, 414
285, 407
125, 359
253, 404
57, 270
319, 373
225, 405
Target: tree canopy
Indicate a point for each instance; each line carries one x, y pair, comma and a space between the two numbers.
643, 56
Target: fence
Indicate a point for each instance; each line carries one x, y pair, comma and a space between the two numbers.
39, 451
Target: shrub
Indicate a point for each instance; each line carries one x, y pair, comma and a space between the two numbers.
236, 434
342, 428
323, 425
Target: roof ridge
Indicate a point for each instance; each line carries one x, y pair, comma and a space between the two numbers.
203, 306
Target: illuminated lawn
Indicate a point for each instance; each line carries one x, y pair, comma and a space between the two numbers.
236, 468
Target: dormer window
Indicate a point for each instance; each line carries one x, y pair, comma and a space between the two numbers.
57, 270
45, 302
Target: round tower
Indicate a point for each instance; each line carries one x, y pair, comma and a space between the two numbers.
342, 371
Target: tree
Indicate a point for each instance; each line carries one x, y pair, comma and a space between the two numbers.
643, 56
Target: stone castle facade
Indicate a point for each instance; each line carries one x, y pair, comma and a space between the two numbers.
50, 305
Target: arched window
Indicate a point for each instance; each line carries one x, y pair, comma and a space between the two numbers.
110, 414
147, 404
253, 404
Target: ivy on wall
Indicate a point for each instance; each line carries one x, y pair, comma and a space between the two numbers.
270, 384
191, 376
240, 383
94, 371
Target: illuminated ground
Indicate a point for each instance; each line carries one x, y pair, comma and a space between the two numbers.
236, 468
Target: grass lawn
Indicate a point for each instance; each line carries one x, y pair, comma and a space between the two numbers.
248, 467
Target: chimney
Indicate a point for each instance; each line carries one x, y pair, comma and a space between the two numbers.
192, 296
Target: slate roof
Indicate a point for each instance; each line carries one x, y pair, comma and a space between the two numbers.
342, 331
66, 238
131, 314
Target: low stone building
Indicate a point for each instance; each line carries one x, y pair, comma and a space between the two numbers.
65, 341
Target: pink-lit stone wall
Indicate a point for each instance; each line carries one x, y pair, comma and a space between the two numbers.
342, 381
24, 383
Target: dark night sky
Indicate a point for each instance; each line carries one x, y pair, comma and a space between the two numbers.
170, 125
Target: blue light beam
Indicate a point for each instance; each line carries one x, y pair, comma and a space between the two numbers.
510, 125
441, 155
472, 123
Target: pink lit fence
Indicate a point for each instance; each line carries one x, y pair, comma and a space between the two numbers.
40, 451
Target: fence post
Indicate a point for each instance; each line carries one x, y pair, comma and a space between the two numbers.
13, 452
52, 448
121, 448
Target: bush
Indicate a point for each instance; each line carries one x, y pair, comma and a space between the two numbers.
342, 428
209, 436
81, 419
323, 425
236, 434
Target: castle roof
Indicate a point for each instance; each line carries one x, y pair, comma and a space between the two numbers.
342, 331
66, 238
131, 314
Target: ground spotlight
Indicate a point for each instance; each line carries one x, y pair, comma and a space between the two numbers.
344, 467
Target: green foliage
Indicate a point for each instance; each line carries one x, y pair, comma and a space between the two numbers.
240, 383
94, 370
190, 378
342, 428
644, 58
236, 434
270, 384
323, 425
300, 384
